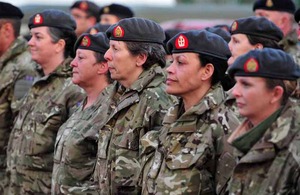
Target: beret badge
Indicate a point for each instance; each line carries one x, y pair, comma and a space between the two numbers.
86, 41
93, 31
251, 65
38, 19
84, 6
269, 3
234, 26
118, 32
181, 42
106, 10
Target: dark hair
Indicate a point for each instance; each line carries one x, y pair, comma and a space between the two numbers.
99, 59
155, 52
68, 36
16, 24
264, 41
220, 67
289, 88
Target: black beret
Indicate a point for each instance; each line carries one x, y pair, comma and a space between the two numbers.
256, 26
136, 29
96, 42
297, 15
219, 31
88, 7
98, 28
52, 18
120, 11
7, 10
275, 5
199, 41
267, 62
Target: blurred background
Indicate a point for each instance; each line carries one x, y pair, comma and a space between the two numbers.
184, 14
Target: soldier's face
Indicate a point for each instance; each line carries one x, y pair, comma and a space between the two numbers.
274, 16
108, 19
86, 70
185, 75
81, 18
254, 100
123, 66
42, 48
238, 45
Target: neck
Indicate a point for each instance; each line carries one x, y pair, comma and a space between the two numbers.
194, 97
50, 66
93, 92
264, 114
132, 78
6, 45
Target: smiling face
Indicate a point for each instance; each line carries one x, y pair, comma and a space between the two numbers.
238, 45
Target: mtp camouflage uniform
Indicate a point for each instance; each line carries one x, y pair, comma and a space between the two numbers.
191, 153
47, 106
269, 155
17, 73
138, 109
76, 145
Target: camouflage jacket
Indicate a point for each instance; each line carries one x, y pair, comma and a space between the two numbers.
290, 44
191, 153
269, 155
46, 107
138, 109
76, 145
17, 72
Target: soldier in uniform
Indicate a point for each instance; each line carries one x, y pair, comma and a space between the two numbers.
86, 15
135, 60
76, 141
190, 154
281, 12
248, 34
17, 72
268, 140
48, 104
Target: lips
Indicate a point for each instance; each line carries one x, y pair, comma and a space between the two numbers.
169, 81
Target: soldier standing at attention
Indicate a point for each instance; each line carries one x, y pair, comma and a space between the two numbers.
281, 13
17, 72
135, 60
86, 15
190, 154
76, 141
268, 140
47, 105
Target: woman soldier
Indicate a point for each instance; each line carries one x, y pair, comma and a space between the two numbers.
191, 155
268, 140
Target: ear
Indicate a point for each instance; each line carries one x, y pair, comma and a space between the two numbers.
258, 46
207, 72
277, 94
102, 68
60, 45
141, 59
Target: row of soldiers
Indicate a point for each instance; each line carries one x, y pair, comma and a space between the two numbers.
101, 113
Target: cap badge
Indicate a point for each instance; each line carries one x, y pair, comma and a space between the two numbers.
86, 41
251, 65
118, 32
181, 42
38, 19
83, 5
234, 26
269, 3
106, 10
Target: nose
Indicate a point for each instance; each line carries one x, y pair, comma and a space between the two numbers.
170, 68
74, 62
107, 55
230, 45
236, 91
30, 42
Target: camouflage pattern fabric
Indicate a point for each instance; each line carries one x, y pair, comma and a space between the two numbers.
191, 153
76, 145
138, 109
269, 155
230, 102
17, 72
47, 106
291, 45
